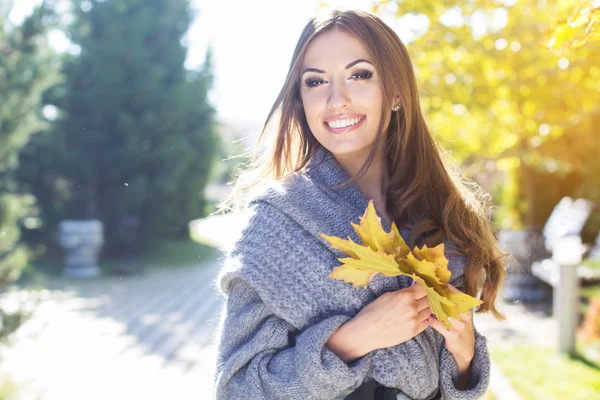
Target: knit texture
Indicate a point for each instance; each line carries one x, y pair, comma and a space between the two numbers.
281, 307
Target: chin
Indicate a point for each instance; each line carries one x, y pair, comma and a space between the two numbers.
346, 149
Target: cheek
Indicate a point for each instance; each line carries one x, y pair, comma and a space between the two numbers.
313, 105
370, 95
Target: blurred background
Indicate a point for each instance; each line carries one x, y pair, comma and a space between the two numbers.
123, 121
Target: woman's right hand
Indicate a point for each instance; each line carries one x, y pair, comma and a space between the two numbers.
391, 319
394, 317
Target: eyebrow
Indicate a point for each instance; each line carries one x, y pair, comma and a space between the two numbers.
352, 64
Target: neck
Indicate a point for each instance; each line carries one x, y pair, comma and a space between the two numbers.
373, 184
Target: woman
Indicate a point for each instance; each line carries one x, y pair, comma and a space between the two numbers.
350, 130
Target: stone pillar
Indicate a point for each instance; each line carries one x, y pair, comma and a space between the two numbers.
520, 284
82, 241
567, 254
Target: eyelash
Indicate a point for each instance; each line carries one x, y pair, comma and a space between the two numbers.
313, 82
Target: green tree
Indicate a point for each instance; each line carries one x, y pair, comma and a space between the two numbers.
135, 133
27, 68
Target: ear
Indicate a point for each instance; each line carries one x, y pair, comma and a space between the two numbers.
395, 106
395, 102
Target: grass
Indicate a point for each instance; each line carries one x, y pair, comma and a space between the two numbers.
590, 291
178, 253
540, 373
586, 294
8, 390
589, 351
489, 396
591, 263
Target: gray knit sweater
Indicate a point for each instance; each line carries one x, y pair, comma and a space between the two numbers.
282, 307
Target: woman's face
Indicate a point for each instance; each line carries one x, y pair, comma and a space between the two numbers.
341, 93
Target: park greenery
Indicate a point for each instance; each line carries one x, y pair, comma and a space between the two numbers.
134, 135
115, 129
512, 89
27, 69
515, 111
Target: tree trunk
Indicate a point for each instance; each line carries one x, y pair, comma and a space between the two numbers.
529, 191
92, 208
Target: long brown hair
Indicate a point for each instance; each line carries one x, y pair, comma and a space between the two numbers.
426, 192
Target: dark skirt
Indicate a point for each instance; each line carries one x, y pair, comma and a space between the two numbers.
373, 390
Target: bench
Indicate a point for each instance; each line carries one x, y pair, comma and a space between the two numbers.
562, 229
595, 251
568, 217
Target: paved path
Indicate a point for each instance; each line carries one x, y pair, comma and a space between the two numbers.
524, 325
148, 337
151, 337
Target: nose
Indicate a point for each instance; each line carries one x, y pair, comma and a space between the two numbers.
338, 98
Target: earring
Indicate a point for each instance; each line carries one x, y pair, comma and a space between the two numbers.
397, 107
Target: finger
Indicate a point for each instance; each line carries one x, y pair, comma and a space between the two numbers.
456, 324
422, 326
424, 314
438, 326
418, 291
466, 317
422, 303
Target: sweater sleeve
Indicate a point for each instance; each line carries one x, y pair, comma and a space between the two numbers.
480, 373
480, 365
423, 365
261, 356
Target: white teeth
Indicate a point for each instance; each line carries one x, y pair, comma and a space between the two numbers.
342, 123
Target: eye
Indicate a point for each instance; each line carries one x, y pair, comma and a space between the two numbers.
312, 82
363, 75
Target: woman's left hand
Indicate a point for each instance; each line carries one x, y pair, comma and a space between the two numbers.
460, 339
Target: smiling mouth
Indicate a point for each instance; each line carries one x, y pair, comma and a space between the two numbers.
343, 123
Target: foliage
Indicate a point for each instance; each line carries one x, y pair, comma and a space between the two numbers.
134, 135
494, 93
590, 328
581, 27
27, 68
388, 254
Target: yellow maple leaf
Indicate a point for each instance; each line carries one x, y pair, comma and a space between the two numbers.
425, 269
388, 254
433, 262
463, 301
439, 304
363, 258
353, 275
434, 254
373, 235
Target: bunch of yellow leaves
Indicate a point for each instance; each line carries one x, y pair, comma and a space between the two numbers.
388, 254
579, 29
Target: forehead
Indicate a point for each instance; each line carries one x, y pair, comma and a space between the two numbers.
334, 47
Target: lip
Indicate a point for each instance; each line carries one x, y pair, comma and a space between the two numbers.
344, 116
